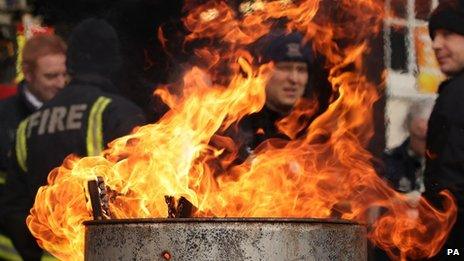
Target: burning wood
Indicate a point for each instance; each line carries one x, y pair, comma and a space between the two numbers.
99, 198
181, 208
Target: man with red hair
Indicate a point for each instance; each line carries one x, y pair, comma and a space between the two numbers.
44, 68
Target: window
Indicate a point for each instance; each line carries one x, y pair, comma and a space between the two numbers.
406, 20
409, 61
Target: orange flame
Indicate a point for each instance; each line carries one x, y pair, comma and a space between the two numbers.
327, 173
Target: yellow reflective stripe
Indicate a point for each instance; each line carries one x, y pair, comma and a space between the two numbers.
21, 148
2, 177
99, 129
21, 41
48, 257
7, 250
95, 127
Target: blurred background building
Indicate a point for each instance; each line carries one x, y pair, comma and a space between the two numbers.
412, 71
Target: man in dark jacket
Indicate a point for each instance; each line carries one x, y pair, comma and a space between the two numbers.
286, 87
445, 138
44, 68
80, 120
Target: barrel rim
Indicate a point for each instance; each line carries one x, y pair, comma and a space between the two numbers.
221, 220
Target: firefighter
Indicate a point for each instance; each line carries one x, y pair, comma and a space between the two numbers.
44, 68
80, 120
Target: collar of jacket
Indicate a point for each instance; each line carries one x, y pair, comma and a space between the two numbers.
103, 83
22, 97
459, 76
272, 114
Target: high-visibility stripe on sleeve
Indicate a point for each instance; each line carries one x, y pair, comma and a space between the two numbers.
95, 127
21, 147
7, 250
48, 257
2, 177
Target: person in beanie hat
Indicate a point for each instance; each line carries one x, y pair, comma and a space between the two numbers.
445, 137
94, 49
292, 59
80, 120
446, 27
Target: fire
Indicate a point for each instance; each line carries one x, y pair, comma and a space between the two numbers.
328, 173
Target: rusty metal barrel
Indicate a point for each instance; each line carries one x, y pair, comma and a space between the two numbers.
225, 239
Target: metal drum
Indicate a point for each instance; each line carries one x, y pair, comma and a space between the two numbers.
225, 239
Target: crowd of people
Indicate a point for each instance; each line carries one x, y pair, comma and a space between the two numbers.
68, 104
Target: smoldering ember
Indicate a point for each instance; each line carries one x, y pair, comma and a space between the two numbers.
313, 193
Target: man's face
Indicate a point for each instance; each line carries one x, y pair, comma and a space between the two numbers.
286, 85
449, 50
48, 77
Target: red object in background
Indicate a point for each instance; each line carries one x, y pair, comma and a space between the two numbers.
36, 30
7, 91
